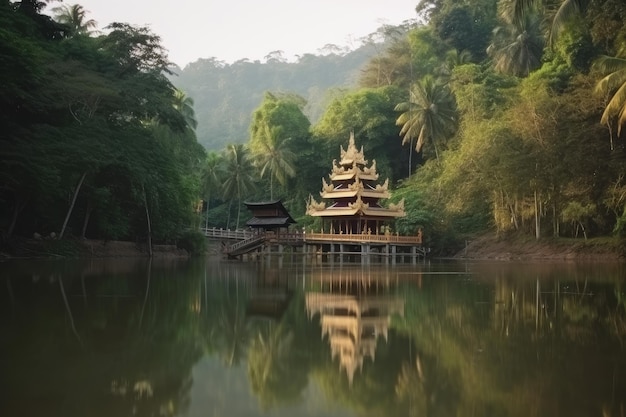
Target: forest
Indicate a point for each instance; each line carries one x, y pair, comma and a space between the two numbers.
486, 116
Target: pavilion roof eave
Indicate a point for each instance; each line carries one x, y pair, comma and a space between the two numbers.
380, 213
338, 194
342, 177
375, 194
350, 175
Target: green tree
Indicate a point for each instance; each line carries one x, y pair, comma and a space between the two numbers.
429, 116
517, 11
279, 129
184, 104
239, 175
517, 48
275, 156
613, 85
75, 18
212, 178
368, 112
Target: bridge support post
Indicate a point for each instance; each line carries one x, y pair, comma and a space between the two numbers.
365, 253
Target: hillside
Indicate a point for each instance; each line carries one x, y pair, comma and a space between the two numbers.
225, 95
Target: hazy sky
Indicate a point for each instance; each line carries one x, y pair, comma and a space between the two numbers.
234, 29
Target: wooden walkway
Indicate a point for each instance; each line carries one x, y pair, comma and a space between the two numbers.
246, 241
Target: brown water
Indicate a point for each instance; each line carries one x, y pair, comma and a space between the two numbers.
282, 337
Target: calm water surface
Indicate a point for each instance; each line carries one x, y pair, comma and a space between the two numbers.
283, 337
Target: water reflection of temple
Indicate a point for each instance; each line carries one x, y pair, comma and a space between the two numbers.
355, 309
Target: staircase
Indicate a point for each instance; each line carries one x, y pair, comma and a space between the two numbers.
244, 246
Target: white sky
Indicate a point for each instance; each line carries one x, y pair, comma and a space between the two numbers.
230, 30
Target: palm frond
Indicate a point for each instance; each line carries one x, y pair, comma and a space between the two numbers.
606, 64
616, 108
567, 10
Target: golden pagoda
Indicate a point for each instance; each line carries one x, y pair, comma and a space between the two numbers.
354, 196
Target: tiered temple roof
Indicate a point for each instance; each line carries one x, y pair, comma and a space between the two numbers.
353, 190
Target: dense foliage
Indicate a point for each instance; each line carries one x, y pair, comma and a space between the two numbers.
95, 140
508, 121
490, 115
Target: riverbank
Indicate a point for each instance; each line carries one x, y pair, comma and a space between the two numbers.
485, 247
86, 248
491, 247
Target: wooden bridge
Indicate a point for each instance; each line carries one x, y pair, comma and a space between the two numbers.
246, 241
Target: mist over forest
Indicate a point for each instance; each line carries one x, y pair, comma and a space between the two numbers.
225, 95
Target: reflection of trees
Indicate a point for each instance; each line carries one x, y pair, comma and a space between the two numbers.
270, 360
121, 368
490, 344
233, 331
427, 389
516, 345
279, 353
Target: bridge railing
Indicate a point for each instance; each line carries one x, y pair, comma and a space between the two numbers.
362, 237
214, 232
299, 237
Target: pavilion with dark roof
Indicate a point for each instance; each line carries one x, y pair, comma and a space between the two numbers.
269, 216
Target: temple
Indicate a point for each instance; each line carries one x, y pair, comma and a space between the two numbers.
354, 196
354, 220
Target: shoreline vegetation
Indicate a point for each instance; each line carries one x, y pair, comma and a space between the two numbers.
483, 247
84, 248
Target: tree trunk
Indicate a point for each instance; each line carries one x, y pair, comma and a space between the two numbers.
410, 156
69, 211
86, 221
206, 214
537, 221
230, 206
145, 203
238, 206
19, 205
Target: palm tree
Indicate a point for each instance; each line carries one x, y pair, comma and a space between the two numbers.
516, 12
273, 154
613, 85
429, 115
75, 17
184, 105
517, 48
212, 174
453, 59
239, 174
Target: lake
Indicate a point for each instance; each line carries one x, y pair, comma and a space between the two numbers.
294, 336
